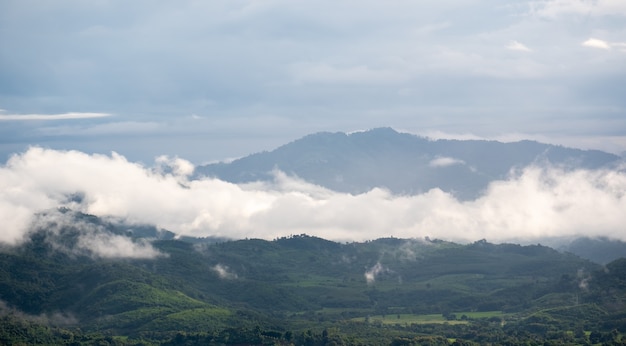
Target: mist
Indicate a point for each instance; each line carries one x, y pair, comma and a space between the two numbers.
66, 232
532, 203
54, 319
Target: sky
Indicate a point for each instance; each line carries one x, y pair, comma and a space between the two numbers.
214, 80
117, 101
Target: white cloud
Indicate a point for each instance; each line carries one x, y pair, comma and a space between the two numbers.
108, 245
445, 162
596, 43
373, 272
532, 203
177, 166
601, 44
224, 272
515, 45
91, 239
48, 117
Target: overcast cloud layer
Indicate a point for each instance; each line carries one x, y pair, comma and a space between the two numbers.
210, 80
532, 204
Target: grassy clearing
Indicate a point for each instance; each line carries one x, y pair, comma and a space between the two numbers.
480, 314
427, 318
407, 319
340, 310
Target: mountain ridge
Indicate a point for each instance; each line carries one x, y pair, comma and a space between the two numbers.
400, 162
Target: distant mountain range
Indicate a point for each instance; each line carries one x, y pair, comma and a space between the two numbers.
402, 163
600, 250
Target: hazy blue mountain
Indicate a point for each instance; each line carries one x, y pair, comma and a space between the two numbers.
401, 162
600, 250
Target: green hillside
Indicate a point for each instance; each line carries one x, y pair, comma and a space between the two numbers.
307, 290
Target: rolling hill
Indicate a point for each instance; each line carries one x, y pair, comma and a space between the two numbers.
299, 288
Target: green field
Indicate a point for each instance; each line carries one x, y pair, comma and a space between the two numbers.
408, 319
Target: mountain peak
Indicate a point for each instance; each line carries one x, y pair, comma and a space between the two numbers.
376, 131
400, 162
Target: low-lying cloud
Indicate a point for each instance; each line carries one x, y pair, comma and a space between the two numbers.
54, 319
224, 272
66, 232
373, 272
533, 203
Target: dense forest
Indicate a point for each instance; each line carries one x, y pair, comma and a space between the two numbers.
304, 290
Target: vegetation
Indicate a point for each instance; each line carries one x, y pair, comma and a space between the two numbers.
304, 290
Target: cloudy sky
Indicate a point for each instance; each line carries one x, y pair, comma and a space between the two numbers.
211, 80
100, 89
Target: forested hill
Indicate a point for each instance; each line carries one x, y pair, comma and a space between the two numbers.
401, 162
301, 290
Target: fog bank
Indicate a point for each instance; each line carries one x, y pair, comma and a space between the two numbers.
532, 203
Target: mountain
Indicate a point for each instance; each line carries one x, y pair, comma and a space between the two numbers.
400, 162
297, 290
600, 250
